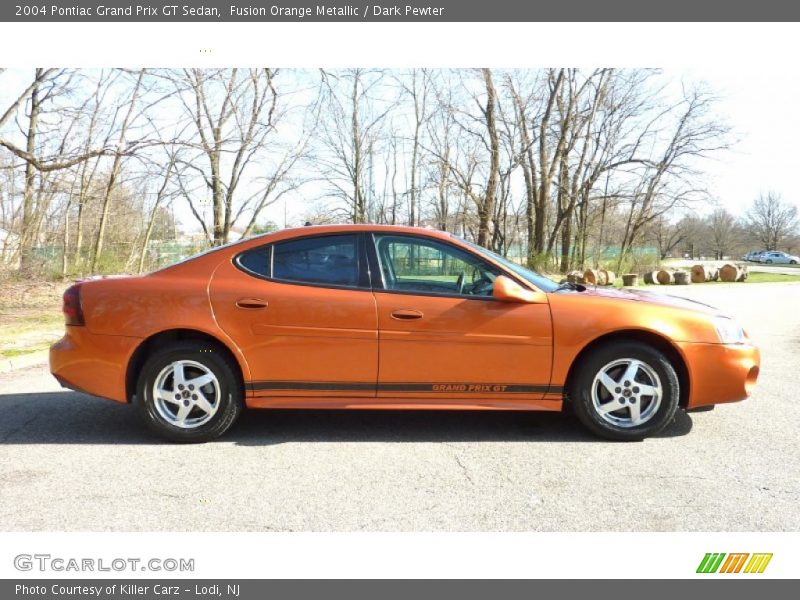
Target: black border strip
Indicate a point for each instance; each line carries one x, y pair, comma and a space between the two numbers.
444, 387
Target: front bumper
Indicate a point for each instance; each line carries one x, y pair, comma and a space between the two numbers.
720, 373
92, 363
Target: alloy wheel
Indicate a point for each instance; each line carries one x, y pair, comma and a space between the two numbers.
626, 392
186, 394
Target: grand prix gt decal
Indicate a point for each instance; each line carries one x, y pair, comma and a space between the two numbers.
442, 388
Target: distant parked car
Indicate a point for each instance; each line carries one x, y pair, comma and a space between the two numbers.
778, 258
754, 256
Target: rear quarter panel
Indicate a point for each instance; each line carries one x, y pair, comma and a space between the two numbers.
140, 307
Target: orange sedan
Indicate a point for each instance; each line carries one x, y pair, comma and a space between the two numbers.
366, 316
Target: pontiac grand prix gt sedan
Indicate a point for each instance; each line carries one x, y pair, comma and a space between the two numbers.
379, 317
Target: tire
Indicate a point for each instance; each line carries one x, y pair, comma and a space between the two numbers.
199, 414
792, 262
591, 395
769, 262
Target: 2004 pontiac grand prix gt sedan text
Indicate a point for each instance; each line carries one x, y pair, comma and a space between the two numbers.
362, 316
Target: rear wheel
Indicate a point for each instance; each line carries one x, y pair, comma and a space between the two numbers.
625, 391
189, 392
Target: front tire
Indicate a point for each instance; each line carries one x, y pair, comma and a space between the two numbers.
189, 392
625, 391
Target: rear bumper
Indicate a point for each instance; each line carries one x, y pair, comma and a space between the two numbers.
720, 373
91, 363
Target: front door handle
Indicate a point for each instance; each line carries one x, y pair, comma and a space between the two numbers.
406, 314
251, 303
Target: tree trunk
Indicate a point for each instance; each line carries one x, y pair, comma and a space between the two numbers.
486, 208
28, 220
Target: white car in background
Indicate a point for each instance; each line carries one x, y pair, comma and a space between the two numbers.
778, 258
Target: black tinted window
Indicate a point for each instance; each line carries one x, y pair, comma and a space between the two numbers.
327, 260
256, 261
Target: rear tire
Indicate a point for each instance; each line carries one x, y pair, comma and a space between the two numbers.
625, 391
189, 392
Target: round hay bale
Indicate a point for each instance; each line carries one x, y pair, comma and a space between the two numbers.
681, 278
591, 276
703, 273
729, 273
608, 277
575, 277
743, 274
630, 280
664, 277
650, 277
699, 274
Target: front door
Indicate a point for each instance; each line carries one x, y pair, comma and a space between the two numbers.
444, 340
303, 314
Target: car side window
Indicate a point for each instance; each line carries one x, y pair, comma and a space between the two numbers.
331, 260
419, 265
256, 261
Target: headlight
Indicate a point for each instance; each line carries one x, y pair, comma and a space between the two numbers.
729, 331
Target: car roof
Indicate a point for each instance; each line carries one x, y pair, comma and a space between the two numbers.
344, 228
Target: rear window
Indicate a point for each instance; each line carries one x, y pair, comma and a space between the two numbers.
327, 260
256, 261
324, 260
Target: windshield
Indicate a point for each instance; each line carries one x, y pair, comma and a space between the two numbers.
540, 281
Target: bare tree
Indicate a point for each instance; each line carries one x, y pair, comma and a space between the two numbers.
233, 112
354, 116
669, 178
772, 220
115, 169
724, 231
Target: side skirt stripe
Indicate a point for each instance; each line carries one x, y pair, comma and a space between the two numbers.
436, 388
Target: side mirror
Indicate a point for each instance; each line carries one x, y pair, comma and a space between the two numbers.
506, 289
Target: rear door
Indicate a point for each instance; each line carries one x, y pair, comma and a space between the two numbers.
444, 340
303, 314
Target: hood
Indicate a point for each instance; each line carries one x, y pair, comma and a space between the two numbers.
634, 295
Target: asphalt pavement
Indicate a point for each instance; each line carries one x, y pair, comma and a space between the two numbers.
71, 462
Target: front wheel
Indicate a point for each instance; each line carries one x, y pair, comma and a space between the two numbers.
625, 391
189, 392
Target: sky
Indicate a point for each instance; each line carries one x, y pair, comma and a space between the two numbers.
763, 108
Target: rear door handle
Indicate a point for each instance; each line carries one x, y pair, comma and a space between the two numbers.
406, 314
251, 303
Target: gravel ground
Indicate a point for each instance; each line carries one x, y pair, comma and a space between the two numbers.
72, 462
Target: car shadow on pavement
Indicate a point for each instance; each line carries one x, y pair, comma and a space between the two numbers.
75, 418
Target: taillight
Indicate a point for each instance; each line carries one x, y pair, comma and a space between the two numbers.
73, 314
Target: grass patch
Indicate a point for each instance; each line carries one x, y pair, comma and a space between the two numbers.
15, 325
17, 352
760, 277
757, 277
